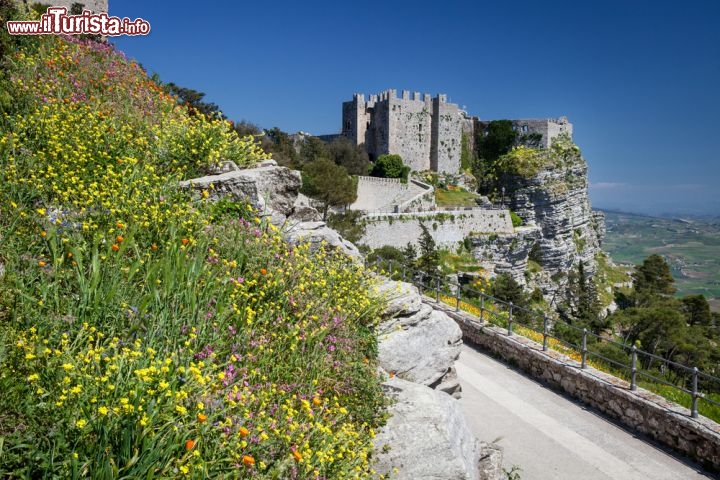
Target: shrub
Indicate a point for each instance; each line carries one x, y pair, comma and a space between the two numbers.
516, 220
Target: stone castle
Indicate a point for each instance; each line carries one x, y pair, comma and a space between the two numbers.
425, 131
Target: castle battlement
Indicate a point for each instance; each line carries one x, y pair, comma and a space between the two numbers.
423, 130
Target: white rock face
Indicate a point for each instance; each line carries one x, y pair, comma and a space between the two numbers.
422, 350
272, 190
426, 437
415, 342
318, 234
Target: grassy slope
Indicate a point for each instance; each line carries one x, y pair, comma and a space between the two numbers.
145, 333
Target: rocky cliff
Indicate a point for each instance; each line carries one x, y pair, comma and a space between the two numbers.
548, 189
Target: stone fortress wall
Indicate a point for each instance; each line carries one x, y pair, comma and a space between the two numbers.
448, 227
392, 196
548, 128
424, 131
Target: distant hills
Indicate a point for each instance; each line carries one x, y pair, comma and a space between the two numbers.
691, 245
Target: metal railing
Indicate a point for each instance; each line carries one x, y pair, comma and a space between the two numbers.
689, 380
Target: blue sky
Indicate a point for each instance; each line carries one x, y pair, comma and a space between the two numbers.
640, 80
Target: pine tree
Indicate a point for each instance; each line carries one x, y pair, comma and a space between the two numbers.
429, 258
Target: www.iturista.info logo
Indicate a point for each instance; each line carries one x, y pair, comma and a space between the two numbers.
57, 22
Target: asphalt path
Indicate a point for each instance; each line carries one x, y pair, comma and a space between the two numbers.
550, 436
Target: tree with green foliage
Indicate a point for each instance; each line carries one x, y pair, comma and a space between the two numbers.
584, 309
244, 128
504, 287
312, 149
349, 224
697, 310
652, 281
390, 166
353, 157
492, 140
409, 255
329, 184
429, 258
193, 100
281, 146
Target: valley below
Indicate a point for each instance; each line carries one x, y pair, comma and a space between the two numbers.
691, 247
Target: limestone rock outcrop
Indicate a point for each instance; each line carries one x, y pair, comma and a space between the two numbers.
318, 234
556, 200
270, 189
550, 196
426, 436
417, 343
274, 192
506, 252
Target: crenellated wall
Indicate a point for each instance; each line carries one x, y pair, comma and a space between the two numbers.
424, 131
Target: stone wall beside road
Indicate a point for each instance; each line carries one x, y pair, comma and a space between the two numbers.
641, 410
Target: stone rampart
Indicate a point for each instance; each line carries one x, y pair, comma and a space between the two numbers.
641, 410
447, 227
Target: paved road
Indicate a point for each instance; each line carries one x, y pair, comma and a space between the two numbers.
549, 436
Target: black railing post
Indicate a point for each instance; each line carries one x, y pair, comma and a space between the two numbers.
633, 368
482, 307
695, 394
584, 349
437, 289
457, 298
510, 319
545, 333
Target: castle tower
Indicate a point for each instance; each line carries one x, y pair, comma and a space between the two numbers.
425, 132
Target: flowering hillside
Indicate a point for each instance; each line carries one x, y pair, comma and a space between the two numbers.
148, 334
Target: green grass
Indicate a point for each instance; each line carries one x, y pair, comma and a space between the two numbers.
454, 198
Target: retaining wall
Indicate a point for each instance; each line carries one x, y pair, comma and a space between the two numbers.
641, 410
447, 228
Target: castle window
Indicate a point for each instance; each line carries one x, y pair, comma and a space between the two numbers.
419, 127
347, 126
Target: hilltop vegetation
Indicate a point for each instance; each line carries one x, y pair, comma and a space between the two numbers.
145, 333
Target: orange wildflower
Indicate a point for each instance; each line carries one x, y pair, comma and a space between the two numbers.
317, 401
115, 247
248, 460
263, 271
43, 234
201, 417
190, 444
296, 455
185, 241
244, 432
154, 247
41, 264
119, 239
